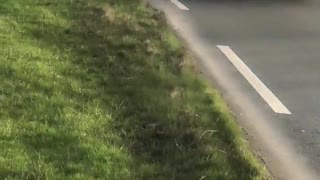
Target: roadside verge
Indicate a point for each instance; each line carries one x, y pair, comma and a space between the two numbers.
103, 89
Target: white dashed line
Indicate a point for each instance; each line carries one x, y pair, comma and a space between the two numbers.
255, 82
180, 5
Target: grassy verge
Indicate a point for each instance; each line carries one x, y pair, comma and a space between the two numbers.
98, 89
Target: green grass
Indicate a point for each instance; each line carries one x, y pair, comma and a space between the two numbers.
99, 89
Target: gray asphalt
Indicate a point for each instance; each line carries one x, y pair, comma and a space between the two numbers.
280, 43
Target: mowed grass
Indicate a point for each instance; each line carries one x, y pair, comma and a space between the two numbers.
100, 89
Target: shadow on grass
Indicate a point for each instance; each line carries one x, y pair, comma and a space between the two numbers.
138, 73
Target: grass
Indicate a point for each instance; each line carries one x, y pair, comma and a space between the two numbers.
99, 89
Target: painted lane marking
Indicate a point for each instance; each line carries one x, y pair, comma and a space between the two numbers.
180, 5
275, 104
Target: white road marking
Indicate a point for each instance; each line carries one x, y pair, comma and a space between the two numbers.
255, 82
180, 5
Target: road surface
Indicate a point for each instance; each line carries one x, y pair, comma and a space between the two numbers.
265, 58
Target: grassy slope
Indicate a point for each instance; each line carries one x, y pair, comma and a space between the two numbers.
95, 89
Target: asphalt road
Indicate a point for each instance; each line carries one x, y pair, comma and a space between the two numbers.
280, 44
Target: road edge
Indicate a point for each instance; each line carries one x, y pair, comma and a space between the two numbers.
281, 162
